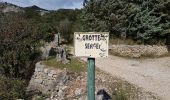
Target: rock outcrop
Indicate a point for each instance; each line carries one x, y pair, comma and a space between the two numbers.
7, 7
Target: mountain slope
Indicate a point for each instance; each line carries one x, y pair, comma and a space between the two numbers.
8, 7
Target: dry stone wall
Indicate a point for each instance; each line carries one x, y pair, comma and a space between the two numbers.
139, 50
44, 79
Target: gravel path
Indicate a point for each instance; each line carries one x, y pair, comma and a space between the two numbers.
153, 75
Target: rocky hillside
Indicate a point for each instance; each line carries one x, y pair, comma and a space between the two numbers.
7, 7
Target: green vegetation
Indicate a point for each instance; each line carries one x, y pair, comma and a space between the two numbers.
75, 65
144, 21
12, 89
22, 33
21, 36
119, 95
19, 42
124, 91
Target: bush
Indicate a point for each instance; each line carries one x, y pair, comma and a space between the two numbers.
12, 89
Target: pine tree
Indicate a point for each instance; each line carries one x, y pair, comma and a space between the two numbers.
140, 19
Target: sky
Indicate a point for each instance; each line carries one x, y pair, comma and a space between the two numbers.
48, 4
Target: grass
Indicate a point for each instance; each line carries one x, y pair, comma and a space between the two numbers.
75, 65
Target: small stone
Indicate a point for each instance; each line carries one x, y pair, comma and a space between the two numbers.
99, 97
83, 98
46, 70
78, 92
53, 72
38, 81
50, 74
55, 76
64, 87
60, 93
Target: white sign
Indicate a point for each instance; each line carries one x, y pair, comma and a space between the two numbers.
91, 44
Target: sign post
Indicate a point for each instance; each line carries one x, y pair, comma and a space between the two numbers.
91, 79
91, 45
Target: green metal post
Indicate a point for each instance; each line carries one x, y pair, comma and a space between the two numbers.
91, 79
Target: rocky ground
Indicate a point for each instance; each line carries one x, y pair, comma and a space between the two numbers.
151, 74
63, 84
72, 86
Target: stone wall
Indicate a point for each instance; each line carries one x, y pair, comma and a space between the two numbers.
45, 79
139, 50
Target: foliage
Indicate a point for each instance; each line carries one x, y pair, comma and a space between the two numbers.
12, 89
21, 35
144, 20
65, 21
66, 30
19, 42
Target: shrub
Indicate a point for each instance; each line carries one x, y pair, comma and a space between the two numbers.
12, 89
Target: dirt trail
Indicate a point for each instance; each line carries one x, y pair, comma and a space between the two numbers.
153, 75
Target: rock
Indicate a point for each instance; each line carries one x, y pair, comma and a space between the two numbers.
52, 52
61, 55
57, 39
83, 98
58, 53
99, 97
45, 51
64, 57
38, 81
78, 92
46, 70
55, 76
61, 94
53, 72
103, 95
64, 87
39, 67
63, 78
50, 74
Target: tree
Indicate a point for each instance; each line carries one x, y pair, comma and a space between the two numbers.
66, 31
19, 42
143, 20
